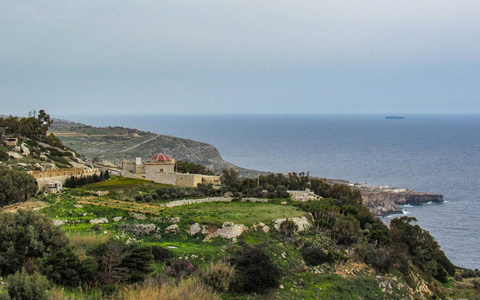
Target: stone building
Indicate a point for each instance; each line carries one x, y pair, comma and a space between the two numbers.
161, 168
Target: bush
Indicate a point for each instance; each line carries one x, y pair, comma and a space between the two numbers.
180, 267
468, 273
218, 276
27, 287
315, 255
256, 273
288, 228
161, 254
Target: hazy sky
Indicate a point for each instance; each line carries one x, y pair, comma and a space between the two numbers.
208, 57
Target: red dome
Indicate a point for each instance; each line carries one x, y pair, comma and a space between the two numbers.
160, 157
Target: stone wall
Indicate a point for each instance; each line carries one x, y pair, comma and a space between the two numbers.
44, 177
189, 180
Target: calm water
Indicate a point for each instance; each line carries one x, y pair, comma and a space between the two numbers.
438, 154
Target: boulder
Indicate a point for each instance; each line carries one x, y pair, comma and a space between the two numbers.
172, 229
25, 150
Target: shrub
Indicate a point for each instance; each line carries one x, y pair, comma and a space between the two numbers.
377, 257
255, 271
165, 196
218, 276
468, 273
27, 287
315, 255
180, 267
476, 285
288, 228
161, 254
138, 198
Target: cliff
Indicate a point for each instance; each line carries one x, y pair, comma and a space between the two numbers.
382, 203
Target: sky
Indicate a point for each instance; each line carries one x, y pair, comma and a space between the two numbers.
240, 57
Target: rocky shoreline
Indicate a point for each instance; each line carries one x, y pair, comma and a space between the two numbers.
383, 203
385, 200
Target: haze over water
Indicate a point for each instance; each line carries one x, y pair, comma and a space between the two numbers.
436, 154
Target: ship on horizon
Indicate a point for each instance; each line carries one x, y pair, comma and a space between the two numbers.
394, 117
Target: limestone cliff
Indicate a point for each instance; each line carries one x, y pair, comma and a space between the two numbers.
383, 203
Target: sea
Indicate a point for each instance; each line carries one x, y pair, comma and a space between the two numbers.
426, 153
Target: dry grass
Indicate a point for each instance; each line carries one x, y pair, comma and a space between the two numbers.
218, 276
81, 241
125, 205
187, 289
28, 205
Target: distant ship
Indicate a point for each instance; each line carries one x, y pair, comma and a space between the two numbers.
395, 117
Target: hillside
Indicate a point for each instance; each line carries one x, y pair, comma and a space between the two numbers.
112, 144
278, 248
124, 238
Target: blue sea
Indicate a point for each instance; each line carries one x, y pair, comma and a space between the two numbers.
436, 154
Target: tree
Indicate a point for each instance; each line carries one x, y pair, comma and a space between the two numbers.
118, 262
62, 266
138, 262
230, 177
346, 229
15, 186
26, 235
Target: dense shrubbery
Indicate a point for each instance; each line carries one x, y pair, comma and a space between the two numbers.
422, 247
73, 182
255, 271
27, 287
15, 186
26, 236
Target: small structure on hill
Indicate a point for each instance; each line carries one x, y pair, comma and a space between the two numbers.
53, 187
161, 168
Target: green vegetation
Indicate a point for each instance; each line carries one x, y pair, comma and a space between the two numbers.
190, 167
116, 240
15, 186
73, 182
34, 128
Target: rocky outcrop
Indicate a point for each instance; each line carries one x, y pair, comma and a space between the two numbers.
302, 223
382, 203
